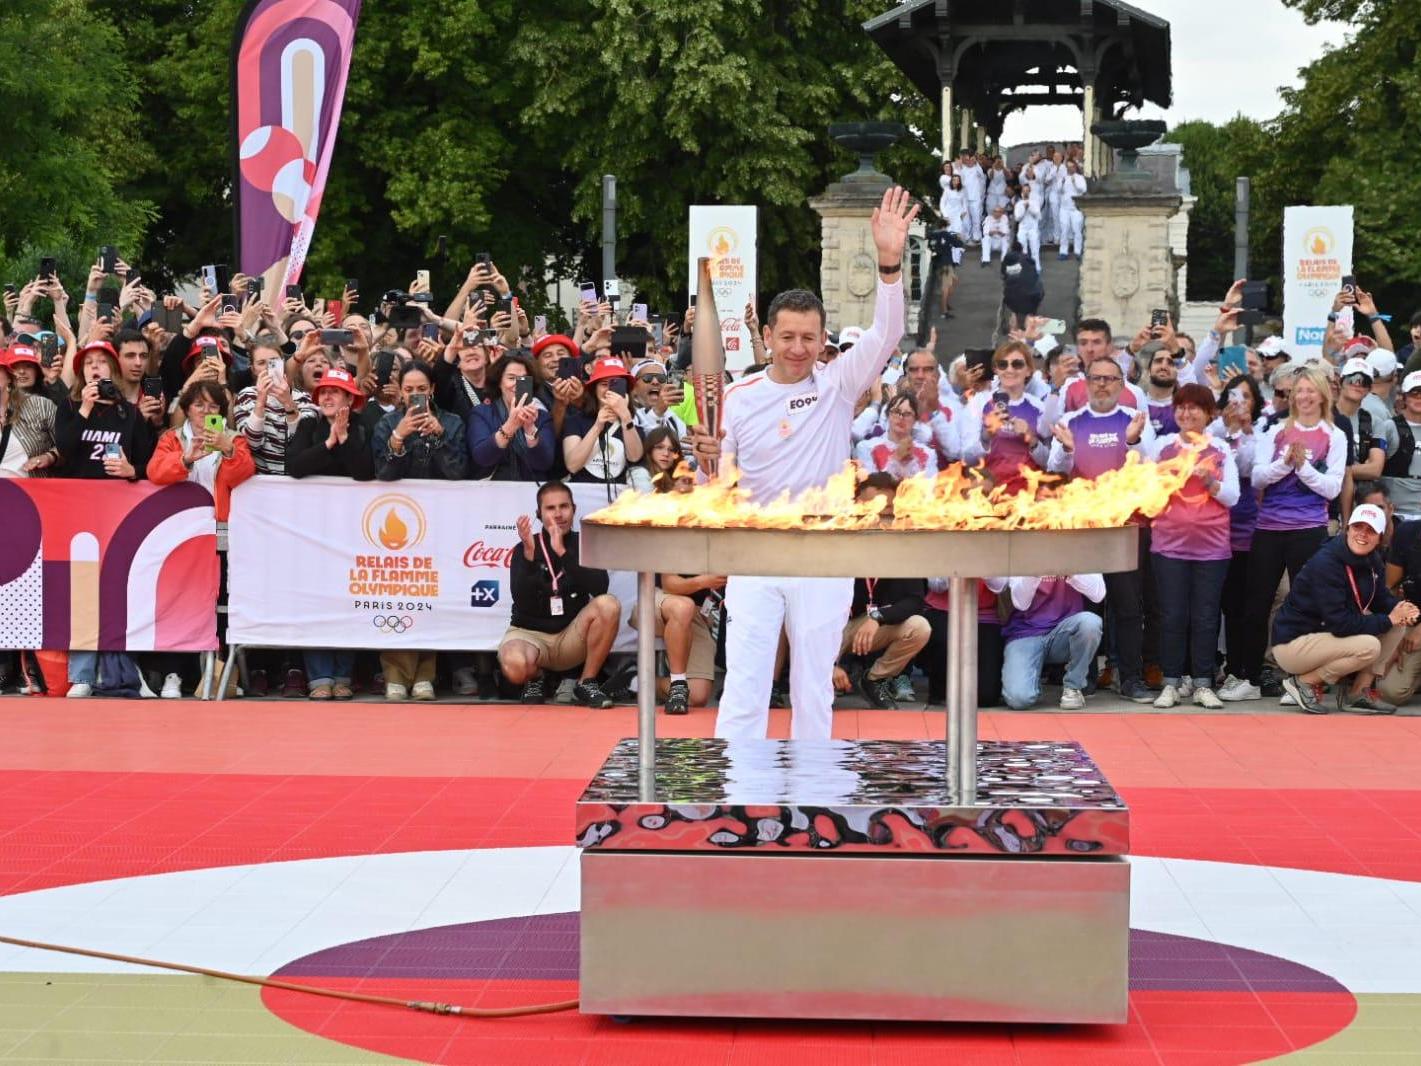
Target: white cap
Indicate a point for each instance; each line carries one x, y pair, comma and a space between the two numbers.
1369, 514
1411, 381
1357, 366
849, 336
1383, 363
1270, 348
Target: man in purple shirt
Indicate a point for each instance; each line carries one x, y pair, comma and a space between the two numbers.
1049, 624
1087, 443
1161, 379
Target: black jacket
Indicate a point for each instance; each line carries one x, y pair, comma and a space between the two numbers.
532, 585
81, 440
1321, 598
450, 393
307, 454
898, 598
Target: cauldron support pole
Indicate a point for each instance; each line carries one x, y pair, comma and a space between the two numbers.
646, 682
962, 689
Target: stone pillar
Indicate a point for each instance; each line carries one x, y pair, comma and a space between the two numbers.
946, 121
965, 130
1087, 118
1128, 268
848, 267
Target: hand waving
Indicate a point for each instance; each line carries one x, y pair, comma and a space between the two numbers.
890, 223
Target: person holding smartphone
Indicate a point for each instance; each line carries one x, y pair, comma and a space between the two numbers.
268, 412
598, 447
417, 439
27, 421
95, 419
461, 373
511, 439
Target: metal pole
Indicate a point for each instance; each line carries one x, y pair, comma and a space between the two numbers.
962, 689
609, 226
646, 681
1241, 198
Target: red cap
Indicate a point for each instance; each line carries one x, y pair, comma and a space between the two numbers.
92, 346
603, 369
200, 347
557, 338
22, 353
336, 378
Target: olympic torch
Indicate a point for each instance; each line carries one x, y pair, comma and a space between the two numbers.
707, 356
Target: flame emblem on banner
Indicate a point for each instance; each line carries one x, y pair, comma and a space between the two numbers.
393, 522
1319, 241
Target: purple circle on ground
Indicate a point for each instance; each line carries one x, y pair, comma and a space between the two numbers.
545, 947
19, 533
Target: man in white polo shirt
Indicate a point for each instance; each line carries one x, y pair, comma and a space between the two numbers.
787, 429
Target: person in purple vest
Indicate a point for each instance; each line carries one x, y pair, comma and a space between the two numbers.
1190, 543
1087, 443
1298, 467
1161, 379
1049, 624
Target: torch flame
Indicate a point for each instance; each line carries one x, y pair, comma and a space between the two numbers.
959, 498
394, 534
1319, 246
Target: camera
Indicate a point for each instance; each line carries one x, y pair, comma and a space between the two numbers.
108, 390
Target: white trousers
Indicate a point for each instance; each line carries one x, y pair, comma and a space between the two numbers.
1000, 245
1049, 230
813, 611
974, 220
1030, 238
1072, 231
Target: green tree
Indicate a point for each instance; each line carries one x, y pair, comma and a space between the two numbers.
68, 98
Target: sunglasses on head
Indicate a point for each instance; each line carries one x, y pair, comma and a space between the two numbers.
1012, 364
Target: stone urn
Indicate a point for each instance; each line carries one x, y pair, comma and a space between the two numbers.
1128, 136
866, 140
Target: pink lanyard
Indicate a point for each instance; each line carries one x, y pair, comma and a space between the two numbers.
872, 583
549, 560
1356, 595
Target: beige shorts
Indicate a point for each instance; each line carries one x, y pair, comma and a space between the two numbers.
556, 651
701, 663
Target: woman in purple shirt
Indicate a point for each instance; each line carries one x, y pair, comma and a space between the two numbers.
1298, 468
1238, 427
1191, 550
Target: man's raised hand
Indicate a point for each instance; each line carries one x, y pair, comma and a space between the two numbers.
890, 223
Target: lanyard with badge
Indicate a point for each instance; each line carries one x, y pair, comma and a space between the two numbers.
1356, 595
555, 607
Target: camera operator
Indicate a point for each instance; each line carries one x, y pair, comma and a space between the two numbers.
563, 617
947, 248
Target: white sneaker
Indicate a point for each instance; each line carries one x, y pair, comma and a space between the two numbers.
1186, 687
1206, 698
1072, 699
1167, 698
394, 693
1286, 699
424, 690
144, 692
1236, 689
80, 691
172, 687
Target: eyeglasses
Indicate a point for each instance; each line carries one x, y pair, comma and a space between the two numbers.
1283, 394
1413, 392
1012, 364
1103, 379
902, 410
652, 379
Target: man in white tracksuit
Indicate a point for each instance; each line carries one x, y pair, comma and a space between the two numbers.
996, 235
1046, 175
1072, 221
787, 428
974, 183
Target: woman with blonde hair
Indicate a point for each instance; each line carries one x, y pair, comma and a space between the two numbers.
1298, 469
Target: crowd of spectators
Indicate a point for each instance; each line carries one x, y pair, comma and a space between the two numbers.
1303, 503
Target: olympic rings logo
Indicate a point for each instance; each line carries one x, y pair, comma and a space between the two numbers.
392, 623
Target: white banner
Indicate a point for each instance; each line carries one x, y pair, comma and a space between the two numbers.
1317, 252
334, 563
727, 235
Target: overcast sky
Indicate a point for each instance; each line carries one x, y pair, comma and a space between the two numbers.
1230, 56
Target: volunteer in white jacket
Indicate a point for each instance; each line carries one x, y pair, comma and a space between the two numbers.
1072, 221
974, 184
787, 429
1046, 175
996, 235
1028, 221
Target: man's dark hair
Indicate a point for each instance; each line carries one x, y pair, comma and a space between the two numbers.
554, 486
800, 300
1372, 488
129, 335
1094, 325
1416, 319
880, 481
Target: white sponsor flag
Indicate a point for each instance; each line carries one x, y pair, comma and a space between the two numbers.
1317, 252
727, 235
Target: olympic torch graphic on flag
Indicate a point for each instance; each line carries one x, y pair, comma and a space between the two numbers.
290, 62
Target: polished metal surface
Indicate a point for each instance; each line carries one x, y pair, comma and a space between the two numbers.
847, 936
859, 553
962, 689
646, 679
1037, 798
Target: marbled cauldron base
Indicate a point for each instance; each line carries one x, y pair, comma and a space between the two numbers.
841, 879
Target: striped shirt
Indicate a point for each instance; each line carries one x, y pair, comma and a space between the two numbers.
269, 438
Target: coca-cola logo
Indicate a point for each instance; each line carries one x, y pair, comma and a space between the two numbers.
478, 554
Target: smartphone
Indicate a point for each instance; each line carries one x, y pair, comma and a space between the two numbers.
384, 367
277, 369
618, 385
1000, 401
47, 266
223, 274
11, 289
171, 321
293, 292
108, 259
1349, 283
419, 403
352, 285
1053, 326
214, 424
488, 337
1159, 317
422, 278
337, 310
640, 313
658, 333
629, 342
254, 287
483, 259
208, 273
48, 350
112, 450
228, 303
430, 331
540, 323
523, 390
979, 357
570, 368
588, 292
336, 337
105, 311
612, 289
152, 386
1233, 361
